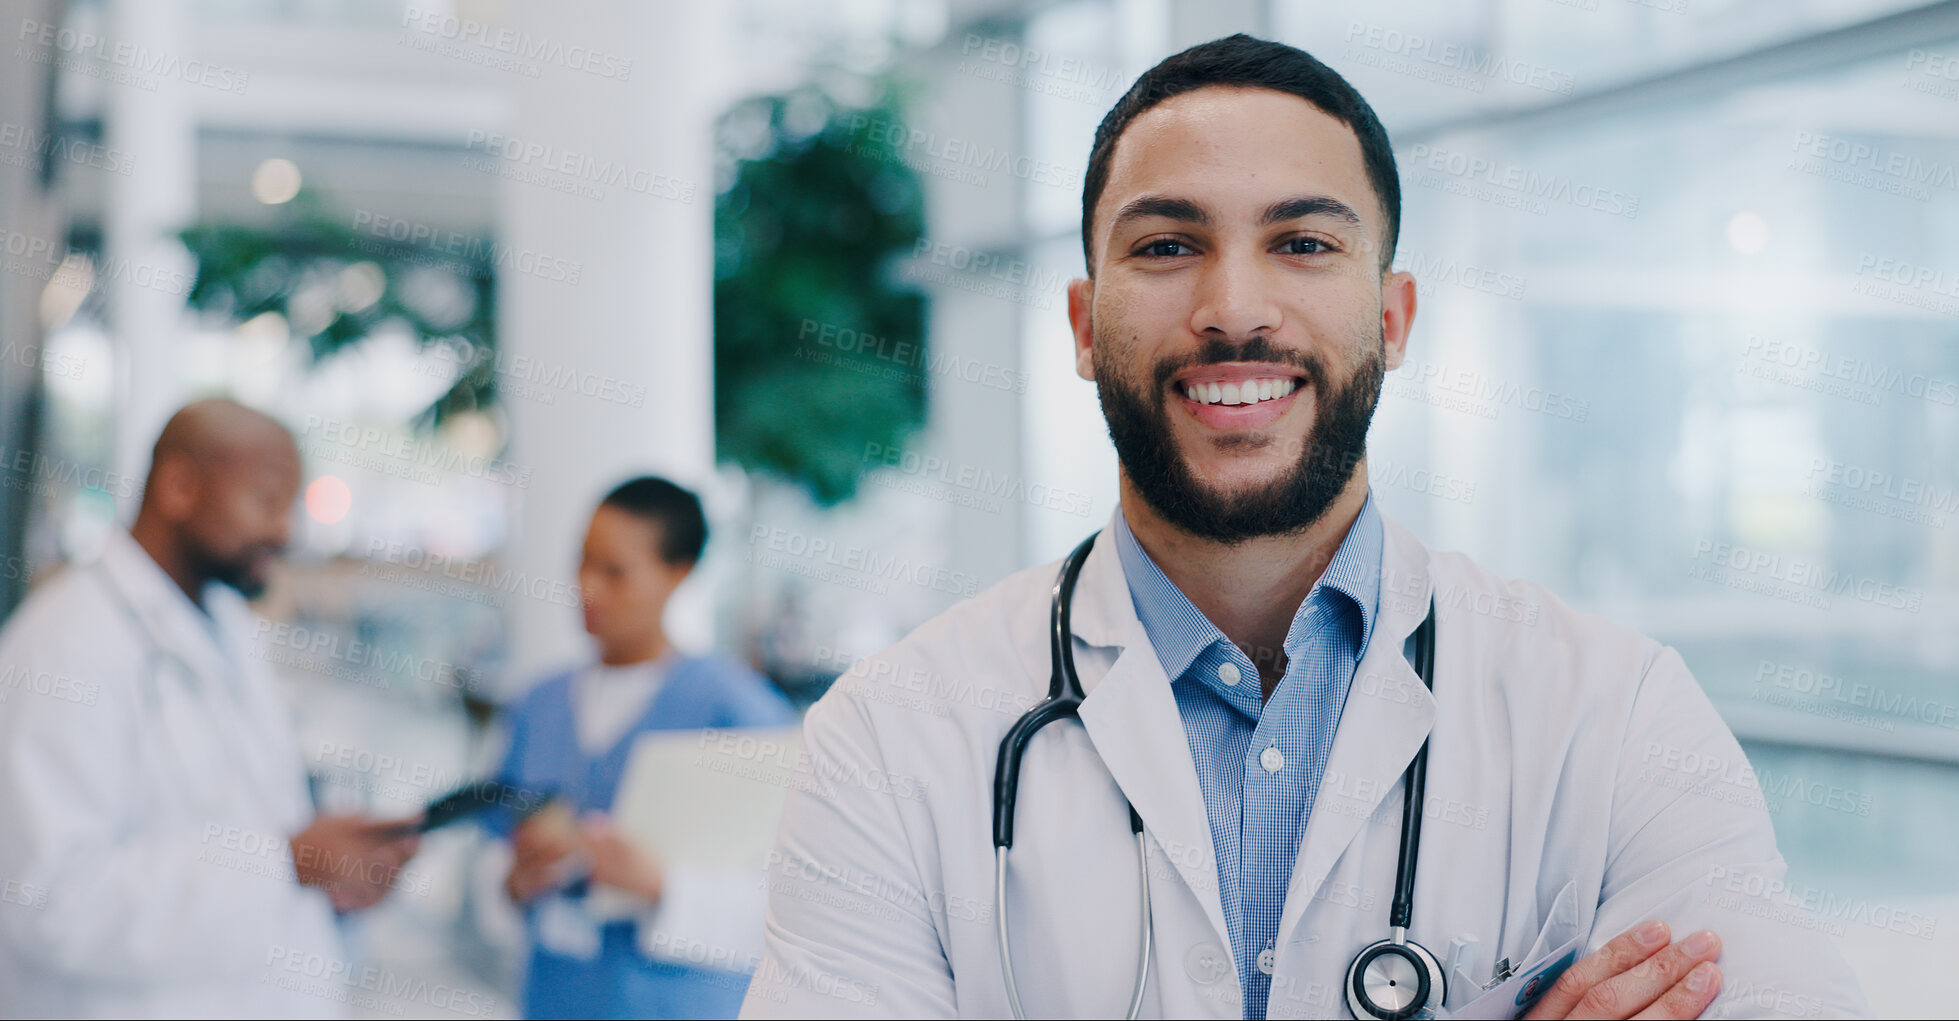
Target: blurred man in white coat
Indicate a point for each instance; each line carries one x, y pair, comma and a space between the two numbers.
157, 838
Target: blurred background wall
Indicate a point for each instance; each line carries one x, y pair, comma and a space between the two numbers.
1688, 349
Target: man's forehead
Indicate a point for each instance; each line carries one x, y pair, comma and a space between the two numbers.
1219, 145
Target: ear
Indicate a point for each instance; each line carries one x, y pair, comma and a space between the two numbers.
1081, 318
1397, 314
677, 573
173, 485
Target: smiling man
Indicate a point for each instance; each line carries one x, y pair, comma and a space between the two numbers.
1328, 823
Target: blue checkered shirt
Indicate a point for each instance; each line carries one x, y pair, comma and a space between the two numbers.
1259, 763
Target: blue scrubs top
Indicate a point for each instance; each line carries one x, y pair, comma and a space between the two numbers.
698, 693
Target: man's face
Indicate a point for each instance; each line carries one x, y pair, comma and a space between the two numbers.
1238, 323
241, 520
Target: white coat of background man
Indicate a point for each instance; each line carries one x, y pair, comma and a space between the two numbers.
155, 820
1242, 632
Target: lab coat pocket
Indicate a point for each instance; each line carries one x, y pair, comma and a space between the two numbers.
1515, 988
1559, 926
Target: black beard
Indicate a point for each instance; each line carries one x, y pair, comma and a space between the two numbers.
1139, 425
235, 572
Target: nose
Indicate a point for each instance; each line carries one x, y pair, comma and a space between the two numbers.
1234, 299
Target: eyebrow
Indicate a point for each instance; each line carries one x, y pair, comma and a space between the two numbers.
1187, 211
1308, 205
1180, 210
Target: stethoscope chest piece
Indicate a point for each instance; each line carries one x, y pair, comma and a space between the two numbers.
1392, 980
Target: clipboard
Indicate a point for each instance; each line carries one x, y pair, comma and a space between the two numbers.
710, 799
473, 799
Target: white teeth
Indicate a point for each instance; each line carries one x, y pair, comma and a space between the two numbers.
1250, 391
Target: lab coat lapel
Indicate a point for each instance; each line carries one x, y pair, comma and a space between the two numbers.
1387, 716
1132, 718
173, 623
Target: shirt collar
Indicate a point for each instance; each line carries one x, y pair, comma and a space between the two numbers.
1181, 633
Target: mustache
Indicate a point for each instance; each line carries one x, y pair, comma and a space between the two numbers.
1256, 348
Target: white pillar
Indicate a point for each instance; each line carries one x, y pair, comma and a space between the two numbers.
638, 319
146, 209
976, 316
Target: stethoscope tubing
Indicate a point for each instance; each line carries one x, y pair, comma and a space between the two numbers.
1064, 701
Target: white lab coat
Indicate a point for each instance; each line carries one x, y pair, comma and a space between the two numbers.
1563, 750
145, 800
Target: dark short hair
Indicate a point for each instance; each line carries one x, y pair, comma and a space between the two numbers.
673, 511
1241, 61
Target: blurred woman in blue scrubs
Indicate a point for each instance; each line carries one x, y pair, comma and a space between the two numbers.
570, 738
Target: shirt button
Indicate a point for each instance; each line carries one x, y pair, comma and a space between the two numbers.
1272, 759
1228, 673
1265, 960
1206, 963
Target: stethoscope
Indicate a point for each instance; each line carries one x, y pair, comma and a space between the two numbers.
160, 661
1391, 980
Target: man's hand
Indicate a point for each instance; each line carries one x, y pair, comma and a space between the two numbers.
1638, 975
541, 852
619, 863
355, 859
